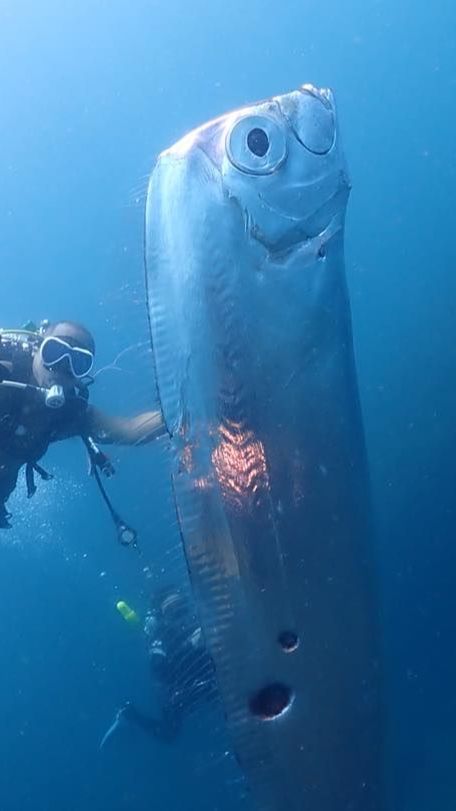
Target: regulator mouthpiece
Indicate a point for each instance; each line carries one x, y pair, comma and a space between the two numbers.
55, 397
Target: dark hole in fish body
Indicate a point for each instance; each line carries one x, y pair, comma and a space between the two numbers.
288, 641
258, 142
321, 252
271, 701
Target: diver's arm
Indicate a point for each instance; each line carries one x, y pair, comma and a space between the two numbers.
109, 430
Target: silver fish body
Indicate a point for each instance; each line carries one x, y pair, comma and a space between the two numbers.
252, 341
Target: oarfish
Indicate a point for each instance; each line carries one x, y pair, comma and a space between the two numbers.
252, 339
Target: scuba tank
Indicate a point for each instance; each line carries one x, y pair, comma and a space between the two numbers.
17, 347
17, 350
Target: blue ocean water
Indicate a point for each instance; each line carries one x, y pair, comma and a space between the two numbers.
91, 91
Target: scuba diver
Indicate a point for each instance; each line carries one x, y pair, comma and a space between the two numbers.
44, 398
179, 663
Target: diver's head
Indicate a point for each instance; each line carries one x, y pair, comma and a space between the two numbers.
168, 604
65, 355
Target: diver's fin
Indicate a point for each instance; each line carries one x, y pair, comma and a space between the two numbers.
119, 721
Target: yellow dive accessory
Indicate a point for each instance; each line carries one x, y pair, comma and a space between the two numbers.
127, 613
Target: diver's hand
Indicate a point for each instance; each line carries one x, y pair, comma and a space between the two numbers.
104, 463
98, 459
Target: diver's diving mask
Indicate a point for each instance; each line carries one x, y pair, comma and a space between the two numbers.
54, 350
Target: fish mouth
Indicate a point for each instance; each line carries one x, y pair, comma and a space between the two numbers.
295, 234
311, 116
307, 249
293, 239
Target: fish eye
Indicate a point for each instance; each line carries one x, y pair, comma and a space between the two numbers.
256, 144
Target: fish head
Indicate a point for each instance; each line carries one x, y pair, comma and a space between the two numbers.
282, 162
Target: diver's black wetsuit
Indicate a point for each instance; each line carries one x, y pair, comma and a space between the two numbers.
28, 427
181, 665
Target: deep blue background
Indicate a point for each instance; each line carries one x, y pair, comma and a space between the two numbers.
90, 92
